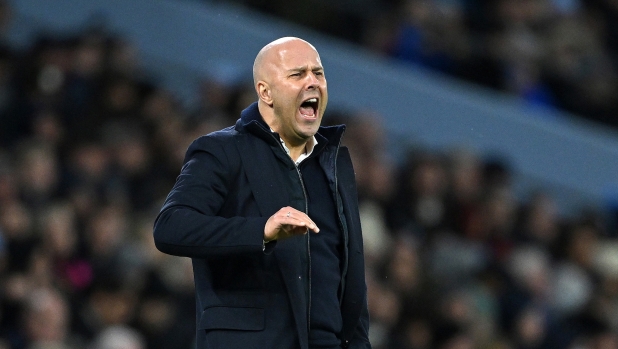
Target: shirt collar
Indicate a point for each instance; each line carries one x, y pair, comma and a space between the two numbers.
311, 143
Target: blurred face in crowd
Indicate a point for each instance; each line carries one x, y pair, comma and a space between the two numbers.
47, 316
291, 86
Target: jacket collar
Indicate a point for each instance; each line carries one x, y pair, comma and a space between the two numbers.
251, 121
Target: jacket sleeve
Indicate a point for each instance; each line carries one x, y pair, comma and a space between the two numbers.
190, 223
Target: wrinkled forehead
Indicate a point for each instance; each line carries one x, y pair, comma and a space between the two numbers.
296, 53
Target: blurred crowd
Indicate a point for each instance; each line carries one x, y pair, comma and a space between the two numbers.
552, 54
90, 145
88, 150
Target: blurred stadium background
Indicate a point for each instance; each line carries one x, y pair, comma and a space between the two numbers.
484, 136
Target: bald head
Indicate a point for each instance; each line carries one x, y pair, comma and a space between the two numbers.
270, 55
291, 87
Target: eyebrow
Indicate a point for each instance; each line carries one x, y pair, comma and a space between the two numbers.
305, 68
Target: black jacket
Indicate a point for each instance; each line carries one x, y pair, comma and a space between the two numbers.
231, 182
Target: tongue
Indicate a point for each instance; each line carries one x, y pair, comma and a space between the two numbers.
307, 110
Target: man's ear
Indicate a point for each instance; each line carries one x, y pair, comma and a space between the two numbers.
264, 92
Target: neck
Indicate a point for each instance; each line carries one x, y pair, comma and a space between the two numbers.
296, 151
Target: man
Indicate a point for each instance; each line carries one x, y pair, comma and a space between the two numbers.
268, 212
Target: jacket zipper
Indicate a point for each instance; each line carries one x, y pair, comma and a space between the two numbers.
302, 184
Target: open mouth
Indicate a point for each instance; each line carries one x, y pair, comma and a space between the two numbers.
309, 107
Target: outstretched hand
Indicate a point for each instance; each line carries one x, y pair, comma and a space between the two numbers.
288, 222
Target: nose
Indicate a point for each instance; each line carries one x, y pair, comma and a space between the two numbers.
312, 81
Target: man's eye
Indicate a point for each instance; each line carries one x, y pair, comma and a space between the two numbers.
319, 73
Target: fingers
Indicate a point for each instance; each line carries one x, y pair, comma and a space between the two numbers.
288, 222
294, 217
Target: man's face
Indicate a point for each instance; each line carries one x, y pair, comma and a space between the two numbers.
299, 93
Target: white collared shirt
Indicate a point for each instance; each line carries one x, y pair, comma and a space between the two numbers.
308, 149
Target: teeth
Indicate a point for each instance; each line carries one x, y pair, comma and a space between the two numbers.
312, 100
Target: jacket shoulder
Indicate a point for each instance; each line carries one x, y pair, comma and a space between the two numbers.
217, 142
217, 136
